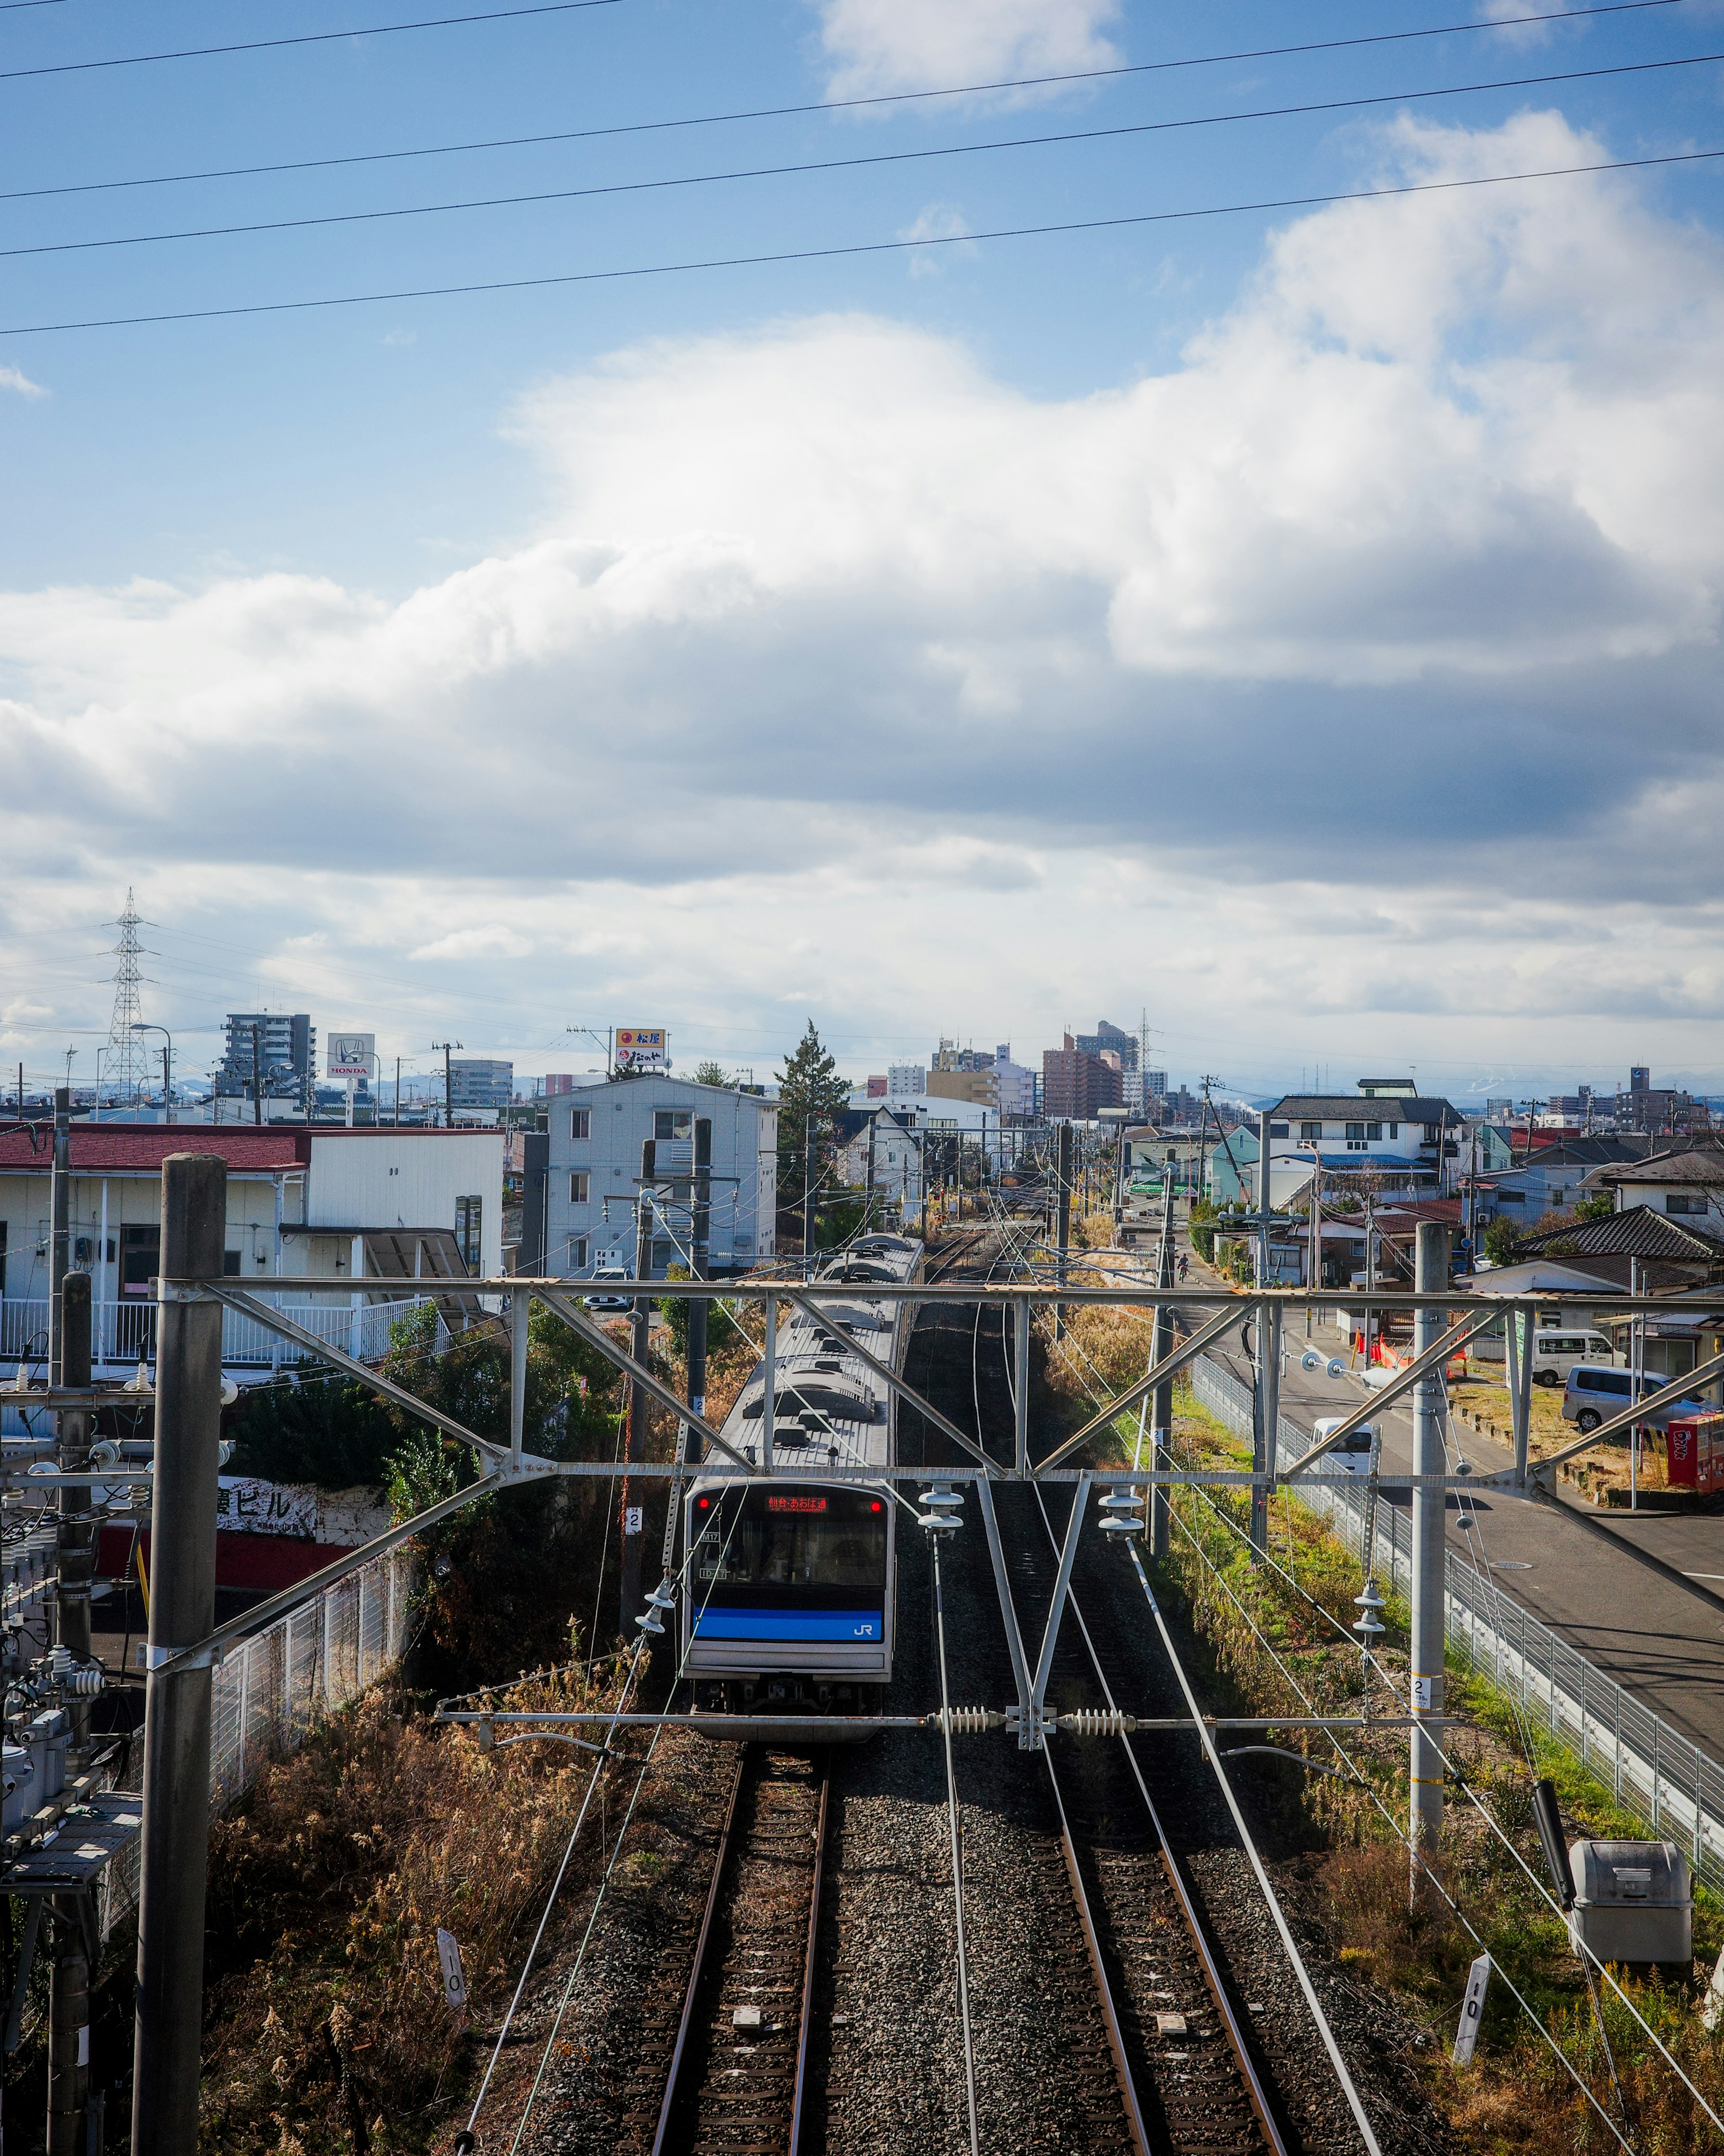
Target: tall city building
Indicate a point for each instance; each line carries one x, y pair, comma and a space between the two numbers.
1077, 1084
286, 1052
479, 1081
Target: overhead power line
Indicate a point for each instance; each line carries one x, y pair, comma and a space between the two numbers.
306, 38
855, 248
794, 111
836, 164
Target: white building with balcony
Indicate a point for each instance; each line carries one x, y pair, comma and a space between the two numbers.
593, 1173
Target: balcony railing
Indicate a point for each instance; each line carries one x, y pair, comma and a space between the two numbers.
124, 1333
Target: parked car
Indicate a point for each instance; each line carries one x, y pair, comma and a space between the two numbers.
1353, 1456
1555, 1354
600, 1299
1592, 1395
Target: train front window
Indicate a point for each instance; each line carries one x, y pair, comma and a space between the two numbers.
767, 1538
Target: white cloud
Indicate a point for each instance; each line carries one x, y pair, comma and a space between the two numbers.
1379, 631
876, 47
11, 378
945, 223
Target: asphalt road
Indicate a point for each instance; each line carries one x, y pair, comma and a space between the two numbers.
1640, 1596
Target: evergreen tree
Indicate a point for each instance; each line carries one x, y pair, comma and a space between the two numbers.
709, 1073
811, 1098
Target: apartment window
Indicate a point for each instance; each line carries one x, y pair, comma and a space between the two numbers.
581, 1123
1374, 1131
673, 1123
230, 1263
470, 1212
1511, 1198
578, 1187
1278, 1129
140, 1259
664, 1254
577, 1254
1394, 1130
1675, 1202
1356, 1133
1311, 1130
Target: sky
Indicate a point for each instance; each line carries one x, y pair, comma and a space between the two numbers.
943, 522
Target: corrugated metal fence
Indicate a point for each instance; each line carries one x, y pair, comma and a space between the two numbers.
1662, 1777
268, 1693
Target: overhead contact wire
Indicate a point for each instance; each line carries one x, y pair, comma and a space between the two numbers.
860, 246
305, 38
786, 111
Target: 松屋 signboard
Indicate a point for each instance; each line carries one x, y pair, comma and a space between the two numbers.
351, 1054
642, 1048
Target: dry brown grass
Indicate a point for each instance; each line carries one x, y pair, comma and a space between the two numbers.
327, 2025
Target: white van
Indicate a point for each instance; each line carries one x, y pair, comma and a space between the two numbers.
611, 1301
1555, 1354
1353, 1456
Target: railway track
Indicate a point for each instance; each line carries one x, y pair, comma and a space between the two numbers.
736, 2080
1178, 2042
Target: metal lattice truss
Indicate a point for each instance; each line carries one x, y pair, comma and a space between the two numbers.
507, 1464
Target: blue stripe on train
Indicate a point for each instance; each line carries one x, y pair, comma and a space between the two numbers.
850, 1625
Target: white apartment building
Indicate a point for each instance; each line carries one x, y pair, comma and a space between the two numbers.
594, 1172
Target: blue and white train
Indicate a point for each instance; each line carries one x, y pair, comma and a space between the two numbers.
792, 1577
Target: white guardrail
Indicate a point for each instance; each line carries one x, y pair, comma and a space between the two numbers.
1654, 1772
270, 1692
125, 1332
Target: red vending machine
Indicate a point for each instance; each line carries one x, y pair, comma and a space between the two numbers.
1694, 1450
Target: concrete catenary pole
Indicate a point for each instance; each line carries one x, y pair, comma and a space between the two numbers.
1161, 1410
639, 1335
176, 1718
59, 1203
807, 1189
1062, 1176
68, 1973
699, 1241
1425, 1795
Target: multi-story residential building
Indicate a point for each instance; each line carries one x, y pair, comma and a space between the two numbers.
905, 1082
1108, 1040
1687, 1184
593, 1171
285, 1050
1013, 1084
1409, 1142
1077, 1084
979, 1086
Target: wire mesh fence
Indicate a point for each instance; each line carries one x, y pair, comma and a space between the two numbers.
1654, 1773
269, 1694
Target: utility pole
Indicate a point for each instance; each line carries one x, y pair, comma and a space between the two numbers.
60, 1229
807, 1190
257, 1073
698, 1240
448, 1048
1266, 1339
1313, 1269
68, 1972
1161, 1410
176, 1719
1425, 1794
1062, 1175
868, 1208
638, 1336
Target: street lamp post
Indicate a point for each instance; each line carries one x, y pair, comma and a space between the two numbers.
138, 1026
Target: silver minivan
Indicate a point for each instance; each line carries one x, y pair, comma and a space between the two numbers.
1592, 1394
1555, 1354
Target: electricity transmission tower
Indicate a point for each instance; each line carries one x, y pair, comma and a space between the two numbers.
126, 1058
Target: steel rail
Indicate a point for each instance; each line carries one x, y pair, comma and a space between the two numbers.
1254, 2089
955, 1834
807, 1971
726, 1835
1092, 1946
1255, 2092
